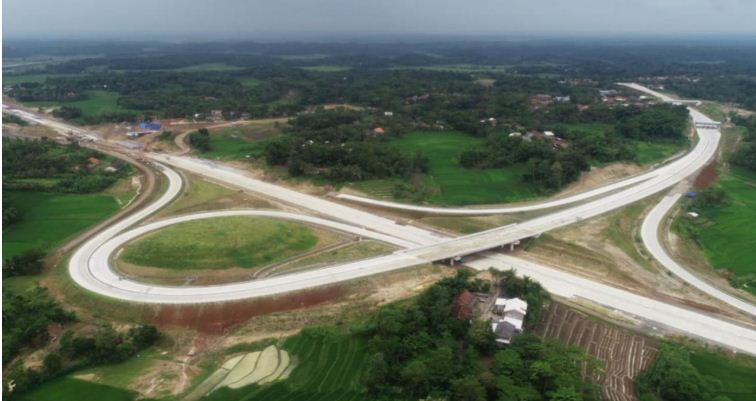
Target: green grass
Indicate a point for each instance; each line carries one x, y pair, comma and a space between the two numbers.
729, 240
25, 78
220, 243
239, 141
208, 67
122, 374
355, 251
97, 102
464, 68
327, 68
737, 375
227, 147
68, 389
20, 284
50, 218
654, 152
329, 367
248, 81
456, 185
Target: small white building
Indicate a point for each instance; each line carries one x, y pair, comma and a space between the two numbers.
388, 113
513, 313
548, 134
514, 134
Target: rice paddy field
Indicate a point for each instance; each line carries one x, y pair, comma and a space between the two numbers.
97, 102
220, 243
736, 374
70, 389
50, 218
728, 239
452, 183
328, 367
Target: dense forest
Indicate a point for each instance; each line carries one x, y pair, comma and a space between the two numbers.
155, 81
745, 155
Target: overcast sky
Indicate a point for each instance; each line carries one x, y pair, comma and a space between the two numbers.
197, 19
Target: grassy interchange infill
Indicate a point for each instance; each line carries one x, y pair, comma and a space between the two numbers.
221, 243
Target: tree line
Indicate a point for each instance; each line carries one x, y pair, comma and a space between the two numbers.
672, 377
552, 167
72, 168
343, 145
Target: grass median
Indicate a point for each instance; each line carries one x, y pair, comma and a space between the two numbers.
221, 243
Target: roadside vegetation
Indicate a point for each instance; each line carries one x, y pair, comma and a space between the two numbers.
52, 192
239, 142
682, 374
727, 208
481, 165
12, 119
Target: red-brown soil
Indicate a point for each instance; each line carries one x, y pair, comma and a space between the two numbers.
707, 176
218, 318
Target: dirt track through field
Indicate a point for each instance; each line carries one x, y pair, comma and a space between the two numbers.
624, 355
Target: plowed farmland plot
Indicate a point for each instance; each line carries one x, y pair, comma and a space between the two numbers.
623, 354
327, 367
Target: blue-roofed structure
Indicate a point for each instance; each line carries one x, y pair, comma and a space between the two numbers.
152, 126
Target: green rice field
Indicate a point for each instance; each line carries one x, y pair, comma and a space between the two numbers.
729, 241
456, 185
69, 389
50, 218
97, 102
737, 375
329, 367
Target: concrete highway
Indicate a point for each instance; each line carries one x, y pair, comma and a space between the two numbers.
650, 231
89, 266
433, 246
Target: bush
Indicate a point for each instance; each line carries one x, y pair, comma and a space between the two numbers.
200, 140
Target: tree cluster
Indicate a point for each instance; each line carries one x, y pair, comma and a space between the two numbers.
342, 145
200, 140
745, 155
77, 352
26, 316
71, 166
551, 167
26, 264
422, 350
672, 377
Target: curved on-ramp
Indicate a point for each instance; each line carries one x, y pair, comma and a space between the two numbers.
89, 265
650, 231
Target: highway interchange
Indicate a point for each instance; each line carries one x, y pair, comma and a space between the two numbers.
90, 264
